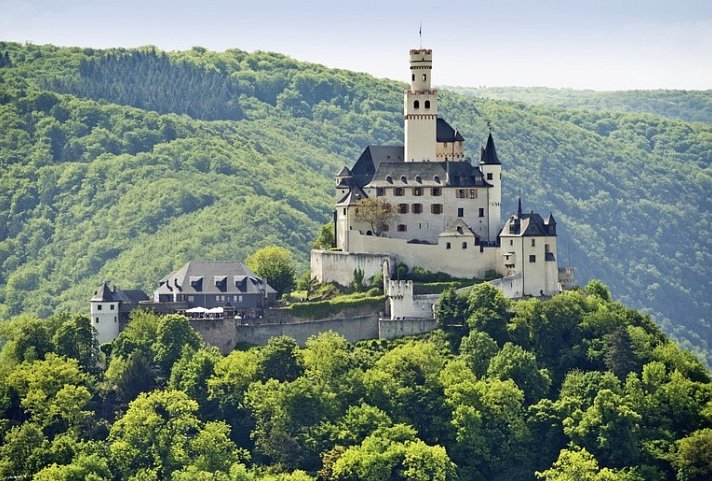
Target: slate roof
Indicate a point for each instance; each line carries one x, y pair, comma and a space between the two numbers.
445, 133
488, 155
427, 174
107, 294
527, 225
371, 158
352, 197
213, 277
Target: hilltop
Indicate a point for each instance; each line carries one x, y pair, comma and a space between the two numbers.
124, 164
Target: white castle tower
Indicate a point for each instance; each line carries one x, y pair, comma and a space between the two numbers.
420, 109
491, 168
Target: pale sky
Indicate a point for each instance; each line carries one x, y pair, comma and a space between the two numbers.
594, 44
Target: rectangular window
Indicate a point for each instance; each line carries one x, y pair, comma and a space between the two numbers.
460, 212
447, 245
532, 258
417, 208
234, 298
533, 242
482, 212
473, 193
399, 191
489, 175
402, 208
546, 248
97, 320
436, 209
98, 308
436, 191
111, 307
239, 298
115, 320
511, 242
344, 212
460, 193
402, 227
417, 191
464, 245
380, 191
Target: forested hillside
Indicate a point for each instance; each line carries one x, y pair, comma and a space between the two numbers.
694, 106
577, 387
123, 164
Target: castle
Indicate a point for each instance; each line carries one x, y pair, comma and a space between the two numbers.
421, 204
425, 204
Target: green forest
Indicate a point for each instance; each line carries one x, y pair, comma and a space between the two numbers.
124, 164
577, 387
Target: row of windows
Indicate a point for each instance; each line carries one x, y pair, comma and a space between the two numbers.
96, 320
434, 191
425, 77
434, 208
98, 307
449, 246
466, 193
217, 298
416, 104
547, 248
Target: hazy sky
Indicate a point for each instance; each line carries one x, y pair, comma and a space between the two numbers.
597, 44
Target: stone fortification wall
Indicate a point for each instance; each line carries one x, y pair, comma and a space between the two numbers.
221, 333
459, 260
336, 266
352, 328
391, 328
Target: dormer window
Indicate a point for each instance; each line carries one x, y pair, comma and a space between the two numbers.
389, 179
418, 179
437, 179
403, 179
196, 282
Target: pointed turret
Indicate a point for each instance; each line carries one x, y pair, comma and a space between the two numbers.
104, 293
489, 153
550, 223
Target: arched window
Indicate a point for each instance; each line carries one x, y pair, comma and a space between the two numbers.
416, 104
427, 104
425, 77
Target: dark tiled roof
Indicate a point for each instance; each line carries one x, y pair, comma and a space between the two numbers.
489, 153
528, 225
428, 174
135, 295
415, 174
107, 294
445, 133
353, 196
549, 257
371, 158
213, 277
